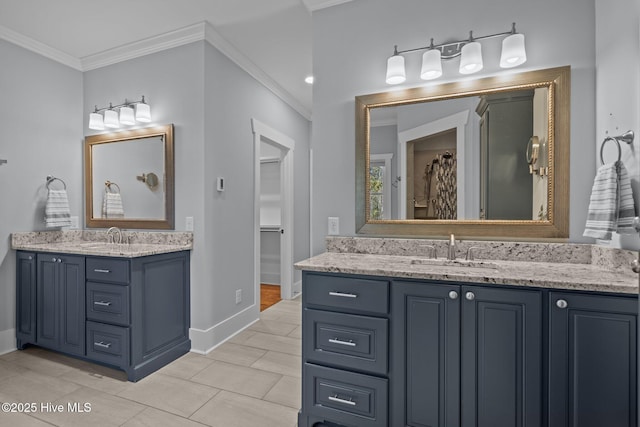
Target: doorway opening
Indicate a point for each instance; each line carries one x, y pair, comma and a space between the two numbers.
273, 211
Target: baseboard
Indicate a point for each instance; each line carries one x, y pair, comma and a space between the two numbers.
204, 341
7, 341
297, 288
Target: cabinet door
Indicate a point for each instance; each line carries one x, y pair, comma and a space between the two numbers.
25, 298
48, 303
61, 302
501, 357
425, 355
71, 287
592, 349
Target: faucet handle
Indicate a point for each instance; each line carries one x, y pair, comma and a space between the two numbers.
470, 256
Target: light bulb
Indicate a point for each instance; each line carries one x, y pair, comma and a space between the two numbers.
471, 58
143, 113
95, 121
111, 119
395, 70
431, 65
513, 51
126, 116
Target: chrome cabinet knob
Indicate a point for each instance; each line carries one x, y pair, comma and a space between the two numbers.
453, 295
635, 267
470, 296
59, 259
53, 259
562, 303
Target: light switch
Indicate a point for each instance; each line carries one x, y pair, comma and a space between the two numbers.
188, 223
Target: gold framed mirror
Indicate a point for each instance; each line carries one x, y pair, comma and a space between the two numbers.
480, 198
114, 193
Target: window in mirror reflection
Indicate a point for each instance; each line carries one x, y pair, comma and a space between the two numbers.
380, 186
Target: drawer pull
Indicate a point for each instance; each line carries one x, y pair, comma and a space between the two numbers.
343, 295
101, 344
100, 270
343, 401
349, 343
102, 303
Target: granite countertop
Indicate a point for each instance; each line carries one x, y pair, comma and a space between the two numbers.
90, 242
587, 267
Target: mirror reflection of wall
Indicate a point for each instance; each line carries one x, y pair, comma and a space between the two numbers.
121, 163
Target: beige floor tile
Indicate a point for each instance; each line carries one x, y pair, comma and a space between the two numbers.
282, 316
21, 420
169, 394
236, 354
239, 379
280, 363
186, 366
288, 392
34, 387
10, 369
234, 410
273, 327
43, 361
152, 417
98, 377
105, 410
296, 333
275, 343
241, 337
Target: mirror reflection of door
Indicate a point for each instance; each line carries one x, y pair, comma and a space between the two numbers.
434, 176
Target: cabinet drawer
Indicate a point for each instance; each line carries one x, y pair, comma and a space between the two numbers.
345, 397
108, 343
349, 293
108, 270
346, 340
108, 303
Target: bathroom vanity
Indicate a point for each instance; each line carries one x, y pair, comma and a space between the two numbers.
407, 340
126, 306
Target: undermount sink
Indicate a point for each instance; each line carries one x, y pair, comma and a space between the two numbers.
443, 262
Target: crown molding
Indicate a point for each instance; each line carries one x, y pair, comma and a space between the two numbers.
216, 40
313, 5
182, 36
39, 48
154, 44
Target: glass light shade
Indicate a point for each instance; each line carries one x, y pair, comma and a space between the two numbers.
111, 119
431, 65
395, 70
143, 113
126, 116
513, 52
95, 121
471, 58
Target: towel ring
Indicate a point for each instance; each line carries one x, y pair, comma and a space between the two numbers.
51, 178
625, 137
108, 185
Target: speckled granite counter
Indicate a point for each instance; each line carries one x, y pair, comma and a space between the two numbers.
545, 265
93, 242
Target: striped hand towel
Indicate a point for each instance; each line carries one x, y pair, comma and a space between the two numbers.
611, 206
112, 205
56, 212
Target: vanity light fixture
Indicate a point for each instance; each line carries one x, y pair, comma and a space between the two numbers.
123, 114
469, 51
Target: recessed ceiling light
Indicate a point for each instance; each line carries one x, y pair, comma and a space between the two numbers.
309, 80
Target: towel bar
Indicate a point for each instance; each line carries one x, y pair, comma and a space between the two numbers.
625, 137
51, 178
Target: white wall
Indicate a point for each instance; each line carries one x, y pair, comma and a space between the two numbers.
41, 134
618, 90
353, 40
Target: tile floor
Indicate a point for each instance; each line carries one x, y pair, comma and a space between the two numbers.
251, 380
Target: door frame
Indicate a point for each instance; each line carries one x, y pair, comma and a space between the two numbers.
286, 145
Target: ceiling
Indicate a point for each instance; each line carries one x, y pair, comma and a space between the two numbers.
270, 38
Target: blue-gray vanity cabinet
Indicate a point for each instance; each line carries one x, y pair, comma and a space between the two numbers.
130, 313
25, 297
592, 360
465, 355
60, 302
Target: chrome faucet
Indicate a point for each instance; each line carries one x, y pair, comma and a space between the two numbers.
451, 254
112, 233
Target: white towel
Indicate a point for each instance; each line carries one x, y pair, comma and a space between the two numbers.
56, 212
611, 206
112, 205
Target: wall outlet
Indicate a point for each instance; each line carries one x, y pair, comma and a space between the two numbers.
238, 296
220, 183
188, 223
334, 226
